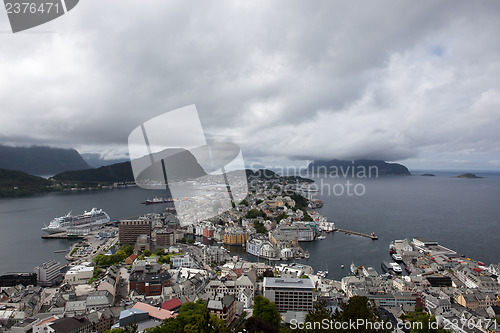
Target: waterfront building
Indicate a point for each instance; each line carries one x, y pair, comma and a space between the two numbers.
235, 236
49, 273
258, 245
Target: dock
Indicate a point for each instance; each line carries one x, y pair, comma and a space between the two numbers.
372, 236
60, 235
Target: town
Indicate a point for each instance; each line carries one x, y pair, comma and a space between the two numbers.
143, 271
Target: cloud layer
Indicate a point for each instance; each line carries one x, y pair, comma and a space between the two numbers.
395, 80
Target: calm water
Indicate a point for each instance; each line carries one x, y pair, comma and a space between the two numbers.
462, 214
21, 248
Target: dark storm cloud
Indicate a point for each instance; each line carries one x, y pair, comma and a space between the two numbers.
329, 79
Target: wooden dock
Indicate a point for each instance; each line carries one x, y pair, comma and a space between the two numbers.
372, 236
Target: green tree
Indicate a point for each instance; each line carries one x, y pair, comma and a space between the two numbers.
159, 251
281, 217
120, 255
358, 307
131, 328
147, 253
424, 321
319, 313
244, 202
254, 213
127, 248
190, 241
259, 227
266, 310
192, 317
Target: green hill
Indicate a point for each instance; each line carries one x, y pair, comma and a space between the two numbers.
18, 183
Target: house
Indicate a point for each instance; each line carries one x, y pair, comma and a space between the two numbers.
148, 278
172, 304
223, 307
130, 259
155, 313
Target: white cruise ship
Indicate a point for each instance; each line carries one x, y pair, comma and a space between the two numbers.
61, 224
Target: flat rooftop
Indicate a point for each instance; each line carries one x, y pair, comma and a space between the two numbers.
288, 283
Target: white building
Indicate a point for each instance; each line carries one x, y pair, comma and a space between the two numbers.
80, 274
48, 273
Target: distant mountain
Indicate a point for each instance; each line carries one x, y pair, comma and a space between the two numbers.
342, 168
269, 174
180, 165
95, 160
41, 160
120, 172
18, 183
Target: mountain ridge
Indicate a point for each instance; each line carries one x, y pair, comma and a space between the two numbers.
41, 160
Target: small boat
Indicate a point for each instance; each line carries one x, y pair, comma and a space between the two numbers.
397, 257
354, 269
396, 268
392, 248
341, 266
307, 255
321, 237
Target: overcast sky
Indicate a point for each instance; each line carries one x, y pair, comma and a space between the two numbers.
410, 81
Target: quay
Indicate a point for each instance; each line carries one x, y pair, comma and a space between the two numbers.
372, 236
60, 235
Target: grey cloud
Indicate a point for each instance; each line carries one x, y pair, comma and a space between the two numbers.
283, 78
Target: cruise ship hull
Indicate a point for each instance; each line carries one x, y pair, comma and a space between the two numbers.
88, 219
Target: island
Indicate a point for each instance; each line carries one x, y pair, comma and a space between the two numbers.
357, 168
468, 176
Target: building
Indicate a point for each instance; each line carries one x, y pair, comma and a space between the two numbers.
75, 324
148, 278
223, 307
78, 231
284, 237
235, 236
391, 299
14, 279
165, 238
142, 244
289, 294
80, 274
49, 273
258, 245
214, 254
182, 261
129, 230
101, 320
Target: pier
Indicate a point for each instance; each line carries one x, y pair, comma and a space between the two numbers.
60, 235
372, 236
